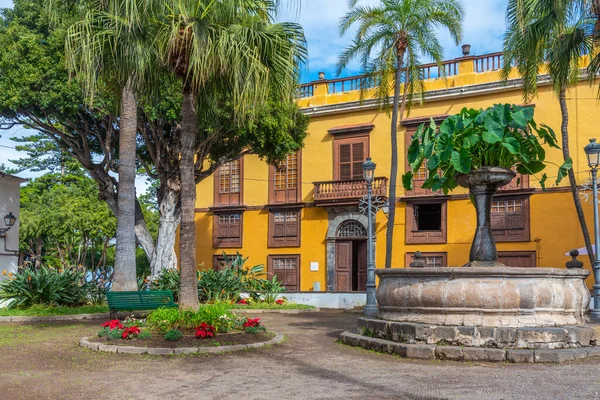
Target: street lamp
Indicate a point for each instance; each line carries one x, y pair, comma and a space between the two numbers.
368, 174
592, 151
9, 221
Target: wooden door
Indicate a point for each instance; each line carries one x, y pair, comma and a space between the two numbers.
362, 265
343, 266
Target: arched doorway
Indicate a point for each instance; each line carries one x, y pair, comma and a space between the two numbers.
351, 257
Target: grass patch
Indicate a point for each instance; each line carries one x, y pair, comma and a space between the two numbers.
40, 311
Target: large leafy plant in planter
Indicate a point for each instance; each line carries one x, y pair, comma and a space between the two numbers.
478, 149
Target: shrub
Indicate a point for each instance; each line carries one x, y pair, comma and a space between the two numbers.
204, 331
144, 335
131, 332
165, 319
47, 286
253, 326
167, 279
173, 335
271, 289
115, 334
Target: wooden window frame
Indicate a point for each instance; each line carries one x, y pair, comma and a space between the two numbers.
525, 233
411, 125
228, 199
289, 241
270, 270
409, 255
286, 196
348, 139
440, 236
229, 242
530, 253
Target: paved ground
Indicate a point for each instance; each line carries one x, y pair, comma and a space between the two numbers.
44, 362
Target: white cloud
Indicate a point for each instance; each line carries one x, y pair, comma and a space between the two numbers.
483, 26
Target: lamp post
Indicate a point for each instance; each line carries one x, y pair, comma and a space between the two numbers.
368, 174
9, 221
592, 151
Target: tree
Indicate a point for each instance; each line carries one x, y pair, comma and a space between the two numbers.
114, 41
389, 40
553, 34
35, 93
222, 47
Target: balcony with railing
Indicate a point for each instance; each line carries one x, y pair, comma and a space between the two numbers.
460, 71
347, 191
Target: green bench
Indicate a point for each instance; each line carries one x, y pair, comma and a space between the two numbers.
144, 300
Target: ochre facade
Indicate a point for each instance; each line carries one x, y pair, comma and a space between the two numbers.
304, 224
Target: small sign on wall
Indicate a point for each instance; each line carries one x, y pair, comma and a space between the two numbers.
314, 265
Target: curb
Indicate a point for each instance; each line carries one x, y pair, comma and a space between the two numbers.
475, 354
163, 351
138, 314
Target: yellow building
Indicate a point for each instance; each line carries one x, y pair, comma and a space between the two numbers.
302, 221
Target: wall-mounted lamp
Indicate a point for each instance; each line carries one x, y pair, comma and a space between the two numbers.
9, 221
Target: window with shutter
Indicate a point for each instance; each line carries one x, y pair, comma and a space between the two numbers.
510, 219
286, 269
431, 259
349, 155
228, 184
227, 230
284, 180
426, 221
284, 228
219, 262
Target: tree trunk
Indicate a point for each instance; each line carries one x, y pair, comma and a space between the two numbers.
125, 273
564, 130
188, 297
389, 234
164, 254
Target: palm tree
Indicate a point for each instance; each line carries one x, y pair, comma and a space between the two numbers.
234, 46
111, 46
555, 35
389, 39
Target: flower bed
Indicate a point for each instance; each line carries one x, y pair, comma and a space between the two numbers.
211, 325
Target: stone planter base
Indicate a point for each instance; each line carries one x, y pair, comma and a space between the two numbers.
457, 353
563, 337
84, 342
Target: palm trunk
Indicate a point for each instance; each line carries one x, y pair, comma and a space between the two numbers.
125, 274
164, 254
564, 130
188, 297
389, 234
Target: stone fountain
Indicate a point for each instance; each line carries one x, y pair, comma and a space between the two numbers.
484, 310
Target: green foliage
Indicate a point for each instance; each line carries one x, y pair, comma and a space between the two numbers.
103, 333
167, 279
503, 135
45, 286
44, 310
173, 335
165, 319
115, 334
271, 289
144, 335
255, 330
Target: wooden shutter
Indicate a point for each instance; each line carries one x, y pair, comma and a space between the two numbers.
349, 155
227, 230
431, 259
286, 270
510, 219
521, 259
228, 186
284, 228
284, 180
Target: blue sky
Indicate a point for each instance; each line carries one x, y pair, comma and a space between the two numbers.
484, 25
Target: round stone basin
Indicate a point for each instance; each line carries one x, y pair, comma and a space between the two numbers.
496, 296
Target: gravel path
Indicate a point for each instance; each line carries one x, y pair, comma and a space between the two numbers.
44, 362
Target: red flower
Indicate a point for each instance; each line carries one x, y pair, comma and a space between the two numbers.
243, 301
205, 331
280, 301
131, 332
252, 323
112, 324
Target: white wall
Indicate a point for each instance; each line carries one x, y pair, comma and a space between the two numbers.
9, 202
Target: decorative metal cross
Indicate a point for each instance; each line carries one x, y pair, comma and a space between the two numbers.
585, 190
376, 204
